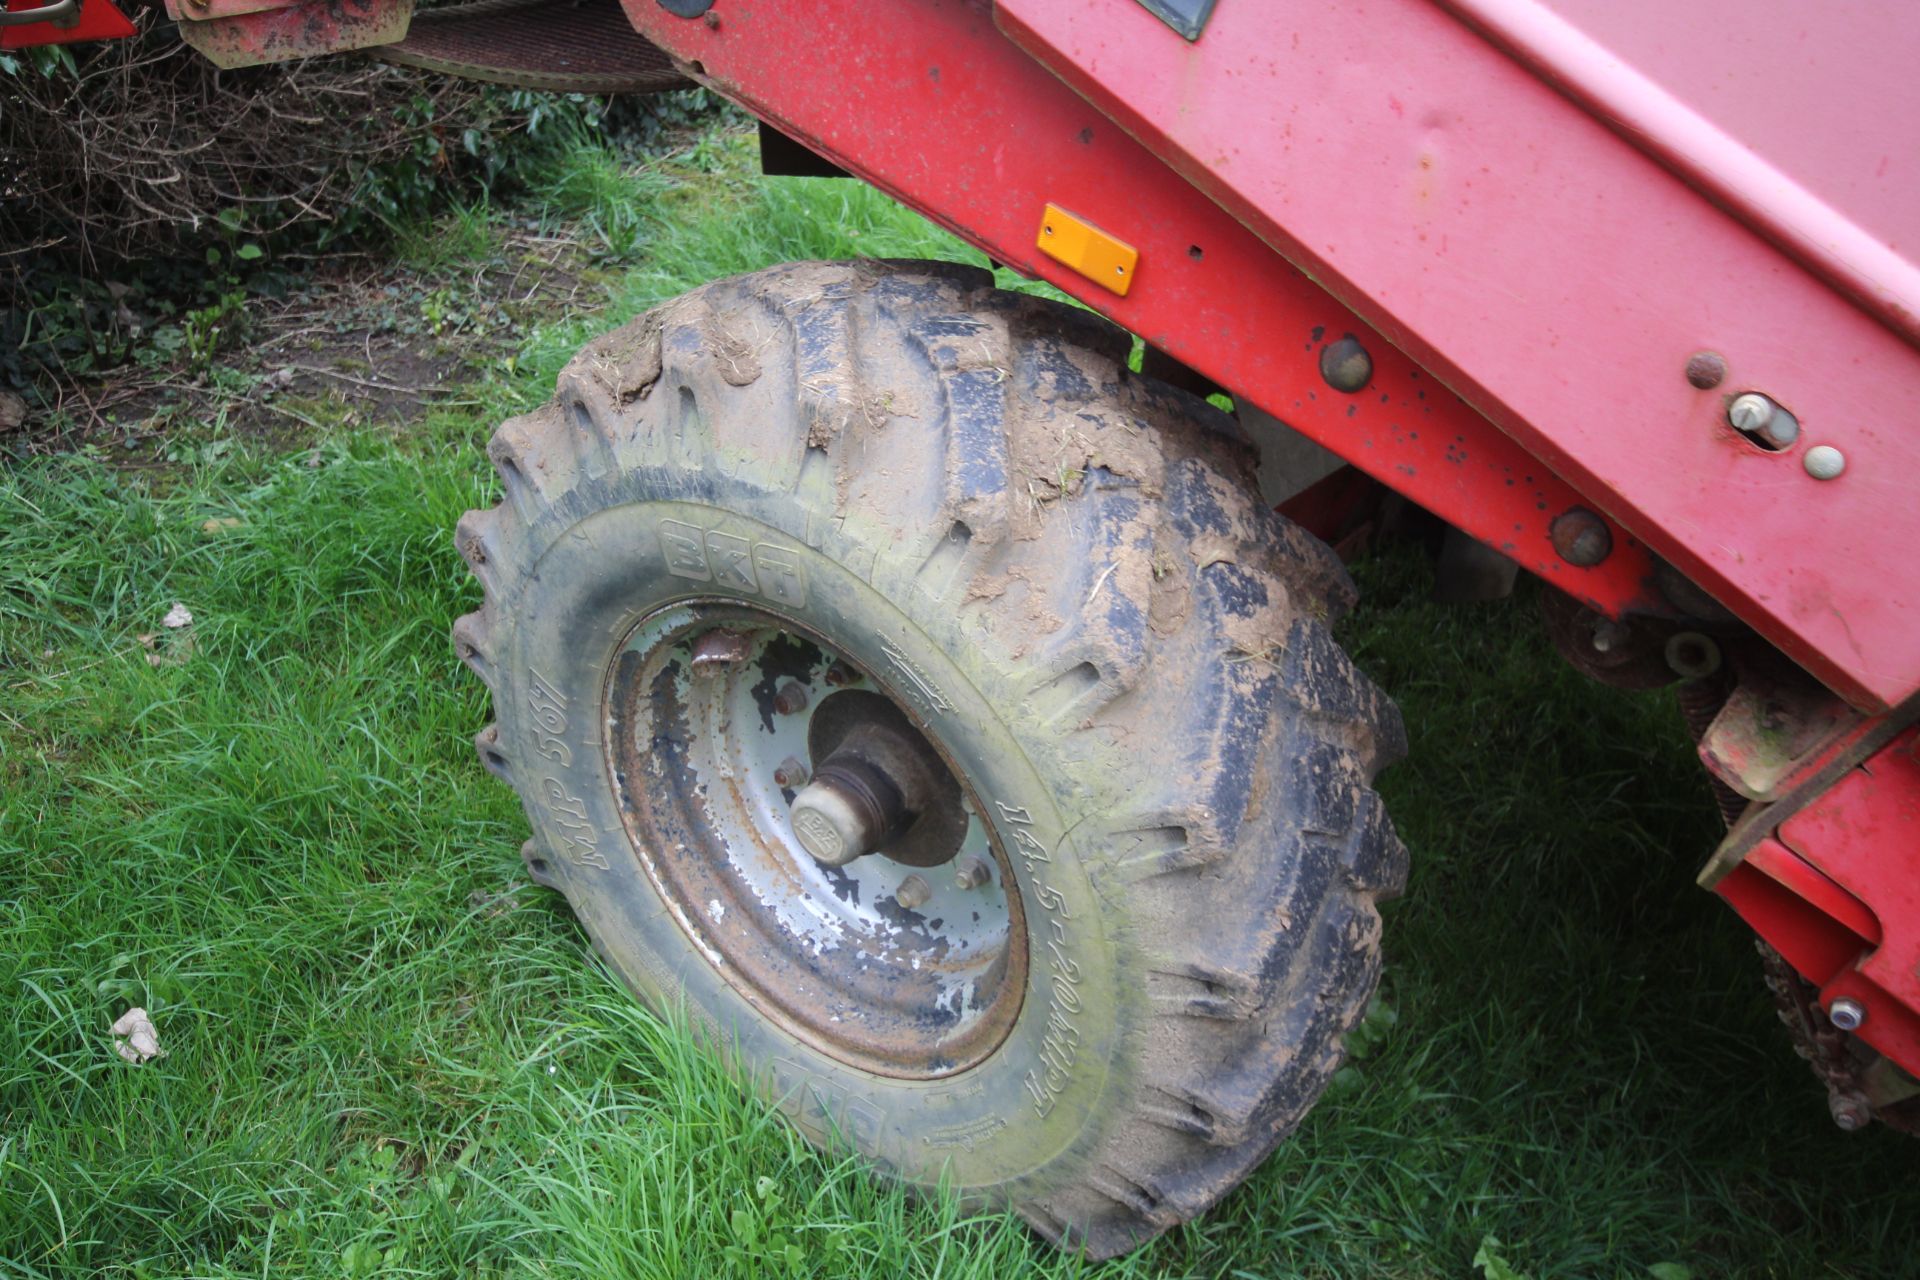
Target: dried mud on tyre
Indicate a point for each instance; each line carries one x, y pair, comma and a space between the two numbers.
1062, 574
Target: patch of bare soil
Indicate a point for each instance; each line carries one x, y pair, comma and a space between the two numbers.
356, 339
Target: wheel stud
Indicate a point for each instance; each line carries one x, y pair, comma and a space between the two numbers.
972, 872
790, 698
791, 772
913, 892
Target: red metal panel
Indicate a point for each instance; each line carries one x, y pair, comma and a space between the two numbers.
1864, 835
98, 20
1892, 1027
1773, 97
1799, 876
1751, 70
929, 102
1815, 944
1559, 279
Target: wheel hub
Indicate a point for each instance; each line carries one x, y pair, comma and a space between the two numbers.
781, 799
878, 787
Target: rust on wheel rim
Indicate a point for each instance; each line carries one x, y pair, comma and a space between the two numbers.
902, 966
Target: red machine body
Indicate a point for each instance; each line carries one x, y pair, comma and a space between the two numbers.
1566, 234
1833, 889
27, 23
1557, 274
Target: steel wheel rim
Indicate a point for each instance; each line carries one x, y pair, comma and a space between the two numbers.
830, 954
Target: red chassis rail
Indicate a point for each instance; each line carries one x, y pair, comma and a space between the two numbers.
1832, 888
995, 139
29, 23
1559, 277
1536, 292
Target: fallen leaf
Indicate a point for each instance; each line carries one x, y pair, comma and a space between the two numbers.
218, 523
13, 411
142, 1040
170, 650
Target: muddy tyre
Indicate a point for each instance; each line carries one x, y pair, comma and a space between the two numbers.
769, 516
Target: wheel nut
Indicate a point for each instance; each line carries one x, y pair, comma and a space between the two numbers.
913, 892
791, 698
972, 872
840, 675
1850, 1111
791, 772
1846, 1014
1692, 656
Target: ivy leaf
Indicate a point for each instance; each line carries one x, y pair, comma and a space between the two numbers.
1492, 1265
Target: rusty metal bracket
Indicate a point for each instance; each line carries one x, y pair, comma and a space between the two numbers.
565, 46
1844, 754
213, 10
1764, 732
245, 33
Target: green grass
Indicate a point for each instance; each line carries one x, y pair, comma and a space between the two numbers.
388, 1054
464, 235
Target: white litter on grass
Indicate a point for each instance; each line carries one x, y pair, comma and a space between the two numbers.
142, 1041
178, 647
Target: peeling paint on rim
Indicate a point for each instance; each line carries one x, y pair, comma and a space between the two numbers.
828, 951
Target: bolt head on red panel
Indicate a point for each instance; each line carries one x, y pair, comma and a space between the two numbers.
1847, 1014
1581, 538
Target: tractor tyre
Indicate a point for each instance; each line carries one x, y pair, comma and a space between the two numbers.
930, 707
